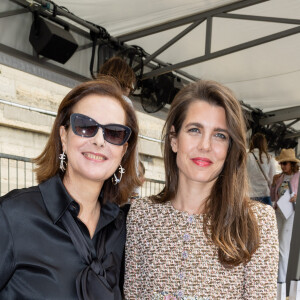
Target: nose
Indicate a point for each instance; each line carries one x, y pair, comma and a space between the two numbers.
205, 142
99, 138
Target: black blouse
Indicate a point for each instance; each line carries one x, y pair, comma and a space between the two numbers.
37, 257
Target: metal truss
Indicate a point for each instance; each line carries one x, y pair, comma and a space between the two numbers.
156, 66
197, 19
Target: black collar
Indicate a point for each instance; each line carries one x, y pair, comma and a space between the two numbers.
57, 200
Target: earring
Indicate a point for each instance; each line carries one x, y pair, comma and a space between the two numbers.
63, 163
117, 180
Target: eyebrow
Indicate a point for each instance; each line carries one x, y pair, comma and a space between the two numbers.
199, 125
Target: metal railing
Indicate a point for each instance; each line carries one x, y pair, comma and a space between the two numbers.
16, 172
151, 187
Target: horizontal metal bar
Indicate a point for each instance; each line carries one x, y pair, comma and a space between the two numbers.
155, 181
280, 115
292, 135
13, 12
150, 139
15, 157
180, 72
39, 110
187, 20
223, 52
53, 114
259, 18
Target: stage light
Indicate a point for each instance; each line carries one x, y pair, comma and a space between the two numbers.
51, 40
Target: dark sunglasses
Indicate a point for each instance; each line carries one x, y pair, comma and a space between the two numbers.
85, 126
284, 163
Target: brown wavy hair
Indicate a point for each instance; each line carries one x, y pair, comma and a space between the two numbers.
228, 220
120, 70
259, 141
294, 167
47, 163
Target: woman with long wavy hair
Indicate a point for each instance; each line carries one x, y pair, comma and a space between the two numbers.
202, 237
261, 169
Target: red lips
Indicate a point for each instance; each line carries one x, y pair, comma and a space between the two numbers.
202, 161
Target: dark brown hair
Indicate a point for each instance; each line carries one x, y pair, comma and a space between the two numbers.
294, 167
120, 70
48, 161
259, 141
228, 220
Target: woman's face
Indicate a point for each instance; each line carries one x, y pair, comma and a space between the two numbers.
202, 143
286, 167
93, 158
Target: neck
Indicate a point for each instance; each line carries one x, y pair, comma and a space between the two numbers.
86, 195
191, 197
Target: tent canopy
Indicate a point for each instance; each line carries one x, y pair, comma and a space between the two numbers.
250, 46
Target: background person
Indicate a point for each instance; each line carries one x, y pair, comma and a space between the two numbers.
261, 169
201, 237
118, 68
281, 182
64, 239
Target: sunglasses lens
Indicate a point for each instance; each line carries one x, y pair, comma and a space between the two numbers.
83, 126
86, 127
283, 163
116, 134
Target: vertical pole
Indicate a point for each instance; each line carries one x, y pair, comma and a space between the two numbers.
293, 271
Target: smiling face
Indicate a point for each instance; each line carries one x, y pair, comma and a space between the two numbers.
202, 143
93, 158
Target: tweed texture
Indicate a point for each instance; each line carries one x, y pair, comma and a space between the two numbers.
168, 257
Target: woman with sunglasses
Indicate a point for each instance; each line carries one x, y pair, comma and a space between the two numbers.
64, 239
287, 180
202, 237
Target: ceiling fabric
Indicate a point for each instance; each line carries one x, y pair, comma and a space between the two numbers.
265, 76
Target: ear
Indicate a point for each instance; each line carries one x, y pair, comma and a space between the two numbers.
173, 140
63, 137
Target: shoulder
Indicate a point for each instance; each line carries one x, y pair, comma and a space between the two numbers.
15, 197
143, 205
20, 204
264, 214
144, 209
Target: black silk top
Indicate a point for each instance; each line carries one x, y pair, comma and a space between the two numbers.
37, 257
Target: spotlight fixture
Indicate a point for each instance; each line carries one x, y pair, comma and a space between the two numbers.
157, 92
51, 41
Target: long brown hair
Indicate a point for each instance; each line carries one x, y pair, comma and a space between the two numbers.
294, 167
47, 163
228, 220
120, 70
259, 141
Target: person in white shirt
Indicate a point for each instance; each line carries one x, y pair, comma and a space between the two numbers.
261, 169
